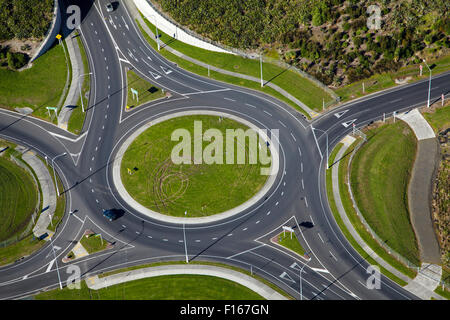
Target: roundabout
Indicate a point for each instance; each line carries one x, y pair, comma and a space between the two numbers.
209, 164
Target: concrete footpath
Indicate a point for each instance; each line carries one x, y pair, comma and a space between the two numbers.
48, 193
422, 286
225, 273
135, 15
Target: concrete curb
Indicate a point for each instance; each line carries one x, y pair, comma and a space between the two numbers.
238, 277
214, 218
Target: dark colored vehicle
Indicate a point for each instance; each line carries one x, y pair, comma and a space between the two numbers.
113, 214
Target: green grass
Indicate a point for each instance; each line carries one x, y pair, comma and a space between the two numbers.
292, 244
440, 119
38, 87
201, 189
380, 175
387, 80
300, 87
18, 198
93, 243
23, 248
76, 121
174, 287
445, 292
357, 224
146, 91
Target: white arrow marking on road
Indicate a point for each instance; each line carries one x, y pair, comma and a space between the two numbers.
56, 248
340, 114
166, 71
295, 266
50, 265
348, 123
285, 276
155, 75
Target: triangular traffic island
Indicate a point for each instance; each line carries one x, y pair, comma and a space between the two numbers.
90, 243
289, 241
140, 91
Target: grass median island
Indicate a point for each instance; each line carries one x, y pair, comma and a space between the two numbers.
201, 189
39, 87
18, 198
93, 243
174, 287
292, 244
380, 175
355, 221
146, 91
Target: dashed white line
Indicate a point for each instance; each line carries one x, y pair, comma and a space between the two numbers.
293, 137
320, 238
303, 185
267, 112
282, 123
250, 105
230, 99
244, 229
312, 219
306, 202
258, 221
267, 213
333, 256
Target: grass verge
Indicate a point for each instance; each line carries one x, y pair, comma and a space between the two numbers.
292, 244
173, 287
93, 243
383, 81
38, 87
189, 66
379, 177
380, 251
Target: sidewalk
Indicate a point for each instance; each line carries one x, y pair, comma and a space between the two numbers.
135, 15
260, 288
77, 69
418, 286
48, 193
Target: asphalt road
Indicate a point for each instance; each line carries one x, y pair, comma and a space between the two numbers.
114, 43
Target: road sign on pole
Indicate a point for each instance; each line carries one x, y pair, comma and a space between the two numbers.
134, 92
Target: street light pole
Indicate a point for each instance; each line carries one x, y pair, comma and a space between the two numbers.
301, 288
260, 63
54, 173
156, 26
429, 84
184, 235
79, 87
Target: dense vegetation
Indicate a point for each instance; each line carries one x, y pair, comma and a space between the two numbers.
327, 38
23, 19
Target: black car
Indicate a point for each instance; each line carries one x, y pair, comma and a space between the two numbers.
112, 214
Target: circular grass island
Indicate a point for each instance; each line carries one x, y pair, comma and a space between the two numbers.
152, 178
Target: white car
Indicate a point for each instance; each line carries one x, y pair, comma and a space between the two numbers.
109, 7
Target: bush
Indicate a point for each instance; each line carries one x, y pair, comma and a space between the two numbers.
16, 60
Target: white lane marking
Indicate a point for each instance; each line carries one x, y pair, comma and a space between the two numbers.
165, 240
25, 277
77, 218
267, 213
230, 99
301, 167
247, 104
244, 229
303, 185
340, 114
282, 192
306, 202
126, 25
282, 123
197, 240
181, 241
276, 203
155, 75
150, 237
362, 284
124, 226
320, 238
267, 112
293, 137
92, 190
166, 70
258, 221
312, 219
50, 265
348, 123
214, 238
230, 234
137, 232
333, 256
249, 250
299, 151
396, 100
285, 276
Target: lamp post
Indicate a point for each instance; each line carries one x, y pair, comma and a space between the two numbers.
79, 87
301, 288
429, 84
184, 235
327, 144
156, 26
54, 173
